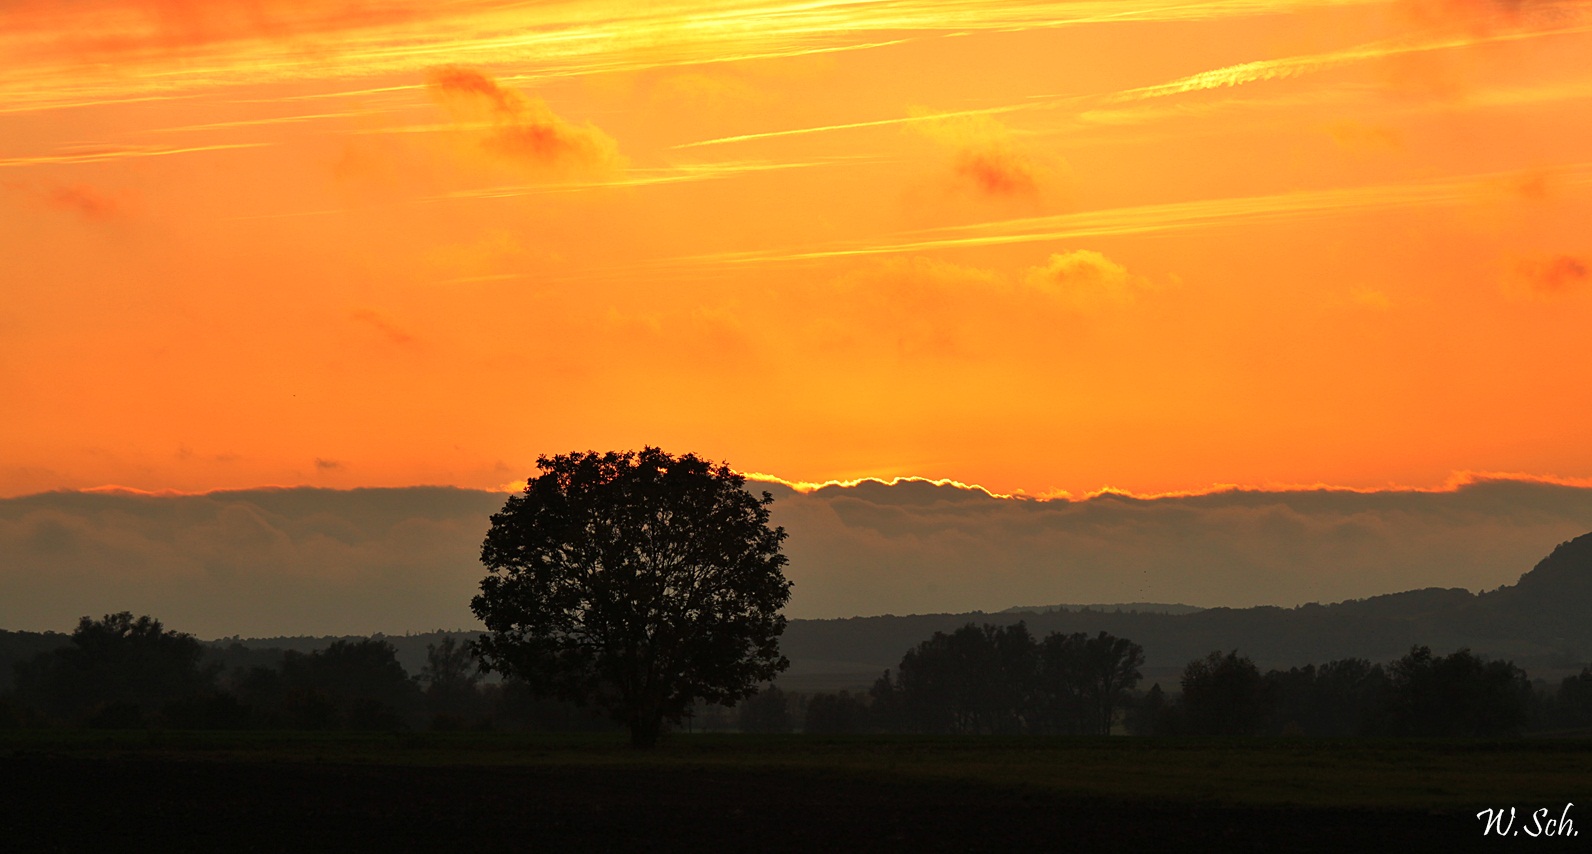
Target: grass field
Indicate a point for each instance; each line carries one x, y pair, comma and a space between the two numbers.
76, 790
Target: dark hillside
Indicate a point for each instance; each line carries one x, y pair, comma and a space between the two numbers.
1551, 605
1543, 622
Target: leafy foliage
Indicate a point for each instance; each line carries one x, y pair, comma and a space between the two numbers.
350, 684
637, 582
999, 680
1460, 694
836, 714
767, 711
1224, 695
116, 671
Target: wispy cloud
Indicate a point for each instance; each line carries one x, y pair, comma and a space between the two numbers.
1553, 276
683, 173
1293, 66
918, 118
103, 153
270, 120
201, 45
1175, 216
986, 155
86, 201
388, 330
1230, 76
521, 128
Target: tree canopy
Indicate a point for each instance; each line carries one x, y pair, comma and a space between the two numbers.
118, 668
1002, 680
639, 582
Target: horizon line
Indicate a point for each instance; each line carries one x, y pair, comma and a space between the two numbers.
1456, 481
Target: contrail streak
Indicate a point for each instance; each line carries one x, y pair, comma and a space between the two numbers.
1225, 77
102, 155
1176, 216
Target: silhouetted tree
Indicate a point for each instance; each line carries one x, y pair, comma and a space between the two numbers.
1223, 695
117, 671
973, 680
1083, 681
449, 678
638, 582
1060, 704
836, 714
1460, 694
1152, 714
886, 707
350, 684
1111, 668
766, 711
1573, 702
1339, 698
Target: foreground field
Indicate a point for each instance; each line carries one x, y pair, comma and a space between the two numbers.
72, 791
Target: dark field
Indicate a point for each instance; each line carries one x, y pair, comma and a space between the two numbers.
84, 791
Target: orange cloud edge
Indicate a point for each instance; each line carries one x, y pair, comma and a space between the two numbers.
1453, 483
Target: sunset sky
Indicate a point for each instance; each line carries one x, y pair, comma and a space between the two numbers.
1047, 247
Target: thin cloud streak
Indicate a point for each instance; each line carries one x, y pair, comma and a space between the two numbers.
903, 120
1230, 76
272, 120
101, 155
1176, 216
1293, 66
686, 173
562, 40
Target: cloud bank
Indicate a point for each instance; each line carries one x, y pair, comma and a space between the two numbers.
318, 561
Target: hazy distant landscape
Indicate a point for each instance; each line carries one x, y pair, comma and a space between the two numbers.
275, 562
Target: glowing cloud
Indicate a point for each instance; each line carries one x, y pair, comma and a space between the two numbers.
1087, 279
1560, 274
520, 128
986, 155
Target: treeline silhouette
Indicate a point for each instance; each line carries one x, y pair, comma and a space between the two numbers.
123, 672
997, 679
119, 672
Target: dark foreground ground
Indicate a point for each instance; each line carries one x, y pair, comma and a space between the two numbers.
143, 792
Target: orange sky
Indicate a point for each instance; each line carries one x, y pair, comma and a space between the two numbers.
1043, 247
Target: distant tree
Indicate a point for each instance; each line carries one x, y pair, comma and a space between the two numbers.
973, 680
1339, 698
1573, 702
1223, 695
1152, 714
886, 707
638, 582
767, 711
355, 684
449, 678
1060, 705
1460, 694
1082, 682
836, 714
117, 671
